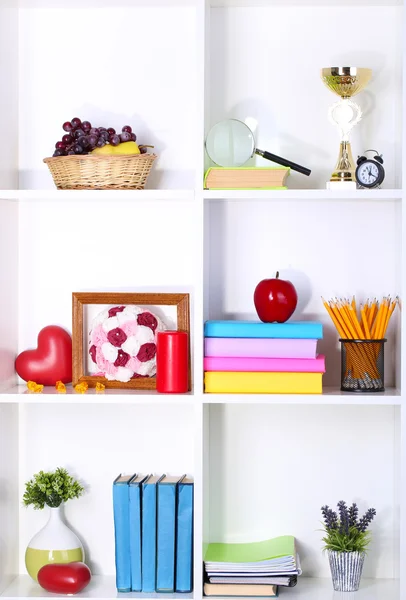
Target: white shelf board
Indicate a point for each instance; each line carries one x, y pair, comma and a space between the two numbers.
99, 587
306, 589
390, 397
252, 3
309, 588
214, 3
85, 4
325, 195
99, 195
20, 394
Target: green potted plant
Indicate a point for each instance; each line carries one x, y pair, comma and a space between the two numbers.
346, 541
55, 542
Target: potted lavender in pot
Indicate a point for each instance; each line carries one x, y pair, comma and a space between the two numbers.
346, 541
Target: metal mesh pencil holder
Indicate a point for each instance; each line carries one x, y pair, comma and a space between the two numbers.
362, 365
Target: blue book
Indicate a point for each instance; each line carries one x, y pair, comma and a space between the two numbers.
148, 534
304, 330
166, 533
135, 531
184, 537
121, 511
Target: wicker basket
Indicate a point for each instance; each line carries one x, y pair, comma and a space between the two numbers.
98, 172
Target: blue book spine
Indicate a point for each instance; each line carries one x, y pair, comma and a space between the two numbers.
135, 537
122, 536
148, 554
184, 539
165, 580
304, 330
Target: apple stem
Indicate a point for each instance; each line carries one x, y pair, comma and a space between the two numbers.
277, 274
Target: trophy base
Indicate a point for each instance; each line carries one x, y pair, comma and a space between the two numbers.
341, 185
345, 167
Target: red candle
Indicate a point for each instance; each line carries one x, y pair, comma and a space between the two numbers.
172, 362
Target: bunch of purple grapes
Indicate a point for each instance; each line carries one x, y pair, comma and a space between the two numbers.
82, 138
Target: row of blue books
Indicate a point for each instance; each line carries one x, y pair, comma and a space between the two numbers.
153, 529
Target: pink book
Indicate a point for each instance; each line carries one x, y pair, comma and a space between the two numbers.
268, 365
262, 348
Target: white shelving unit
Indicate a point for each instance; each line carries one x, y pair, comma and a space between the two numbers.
359, 195
99, 195
263, 464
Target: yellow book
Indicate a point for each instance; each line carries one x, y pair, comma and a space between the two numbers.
238, 589
217, 382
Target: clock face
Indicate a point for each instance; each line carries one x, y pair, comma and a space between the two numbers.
368, 173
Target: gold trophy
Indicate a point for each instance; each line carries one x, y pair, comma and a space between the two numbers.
346, 82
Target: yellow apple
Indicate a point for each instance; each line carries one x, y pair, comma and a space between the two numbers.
127, 148
107, 149
124, 148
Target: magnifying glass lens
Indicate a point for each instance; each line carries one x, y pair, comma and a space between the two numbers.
230, 143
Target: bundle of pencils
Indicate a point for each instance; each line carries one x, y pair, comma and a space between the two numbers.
366, 324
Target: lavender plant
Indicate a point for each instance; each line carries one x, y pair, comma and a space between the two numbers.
344, 532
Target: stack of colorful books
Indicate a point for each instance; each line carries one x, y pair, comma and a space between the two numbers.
153, 527
251, 357
254, 569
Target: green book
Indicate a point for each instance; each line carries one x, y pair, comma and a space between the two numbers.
246, 178
282, 546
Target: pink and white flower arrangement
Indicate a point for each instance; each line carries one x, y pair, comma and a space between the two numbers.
122, 343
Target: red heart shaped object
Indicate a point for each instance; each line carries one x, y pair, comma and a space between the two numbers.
51, 361
68, 578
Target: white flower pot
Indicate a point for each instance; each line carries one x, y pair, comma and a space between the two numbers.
346, 570
55, 543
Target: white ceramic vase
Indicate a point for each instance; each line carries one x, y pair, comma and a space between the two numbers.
54, 543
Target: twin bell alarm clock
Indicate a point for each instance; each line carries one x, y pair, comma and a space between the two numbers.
370, 172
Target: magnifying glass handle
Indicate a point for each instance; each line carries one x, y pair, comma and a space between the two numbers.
283, 161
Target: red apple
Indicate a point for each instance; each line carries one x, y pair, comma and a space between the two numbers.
275, 300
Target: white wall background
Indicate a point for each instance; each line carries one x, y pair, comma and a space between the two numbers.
9, 500
140, 71
96, 246
9, 253
9, 96
265, 65
97, 443
317, 246
273, 467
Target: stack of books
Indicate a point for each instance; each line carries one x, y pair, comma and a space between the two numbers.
246, 178
153, 528
246, 357
253, 569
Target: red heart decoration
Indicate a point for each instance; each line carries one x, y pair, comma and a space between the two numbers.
51, 361
68, 578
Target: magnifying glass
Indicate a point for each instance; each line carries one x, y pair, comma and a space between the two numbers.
231, 143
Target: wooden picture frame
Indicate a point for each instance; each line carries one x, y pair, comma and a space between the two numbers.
79, 302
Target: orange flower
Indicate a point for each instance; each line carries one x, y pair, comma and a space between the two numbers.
81, 388
35, 388
60, 387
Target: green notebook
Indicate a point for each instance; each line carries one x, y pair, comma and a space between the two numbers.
246, 178
252, 552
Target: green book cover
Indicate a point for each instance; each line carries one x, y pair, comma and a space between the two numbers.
253, 551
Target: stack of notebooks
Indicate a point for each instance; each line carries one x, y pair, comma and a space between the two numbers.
246, 178
247, 357
153, 527
253, 569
